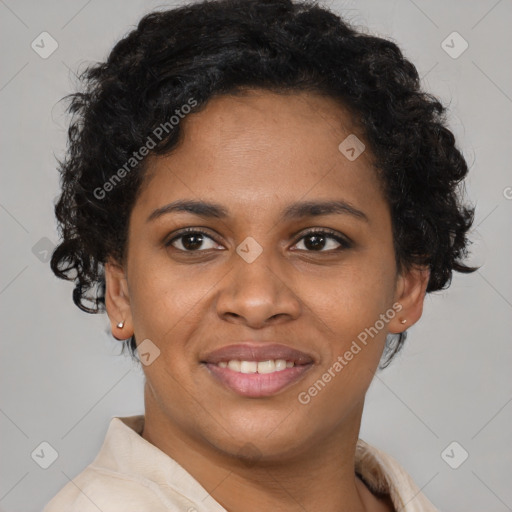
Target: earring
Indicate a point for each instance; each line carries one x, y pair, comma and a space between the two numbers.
403, 321
120, 324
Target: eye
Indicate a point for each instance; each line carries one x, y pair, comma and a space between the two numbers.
191, 240
318, 240
321, 240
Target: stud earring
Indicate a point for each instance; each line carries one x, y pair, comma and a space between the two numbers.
120, 324
403, 321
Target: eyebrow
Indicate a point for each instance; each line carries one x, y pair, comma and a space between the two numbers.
291, 212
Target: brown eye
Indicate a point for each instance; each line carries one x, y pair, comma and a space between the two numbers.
191, 241
323, 241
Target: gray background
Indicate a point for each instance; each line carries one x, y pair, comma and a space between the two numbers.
61, 377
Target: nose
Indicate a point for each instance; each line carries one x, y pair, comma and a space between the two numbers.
257, 294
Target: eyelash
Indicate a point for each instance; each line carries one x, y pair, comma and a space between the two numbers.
344, 243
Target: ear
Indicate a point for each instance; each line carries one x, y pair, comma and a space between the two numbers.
410, 294
117, 300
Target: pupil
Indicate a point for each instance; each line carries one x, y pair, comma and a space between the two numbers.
196, 243
318, 242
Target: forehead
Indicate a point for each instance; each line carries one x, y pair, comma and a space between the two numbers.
268, 124
264, 149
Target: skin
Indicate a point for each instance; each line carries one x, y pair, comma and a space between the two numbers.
255, 154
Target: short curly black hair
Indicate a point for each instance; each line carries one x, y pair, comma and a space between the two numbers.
216, 47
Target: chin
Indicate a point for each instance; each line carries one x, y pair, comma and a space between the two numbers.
260, 444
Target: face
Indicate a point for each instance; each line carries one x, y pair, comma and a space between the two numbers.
264, 269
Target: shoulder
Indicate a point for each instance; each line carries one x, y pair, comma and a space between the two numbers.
97, 489
385, 476
127, 475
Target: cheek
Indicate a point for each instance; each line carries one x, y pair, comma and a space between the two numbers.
350, 298
351, 309
163, 296
340, 383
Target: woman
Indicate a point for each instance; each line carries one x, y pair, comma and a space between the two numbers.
260, 197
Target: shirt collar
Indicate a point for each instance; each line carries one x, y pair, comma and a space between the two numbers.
124, 450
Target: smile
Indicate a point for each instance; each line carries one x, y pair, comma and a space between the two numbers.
257, 379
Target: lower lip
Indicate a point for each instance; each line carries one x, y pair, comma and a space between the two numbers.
257, 385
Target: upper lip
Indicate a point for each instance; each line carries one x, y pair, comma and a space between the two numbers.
250, 351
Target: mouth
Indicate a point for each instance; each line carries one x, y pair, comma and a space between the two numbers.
255, 371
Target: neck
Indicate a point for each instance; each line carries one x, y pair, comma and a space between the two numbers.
321, 477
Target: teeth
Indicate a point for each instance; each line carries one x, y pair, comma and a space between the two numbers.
280, 365
234, 365
266, 366
248, 366
270, 366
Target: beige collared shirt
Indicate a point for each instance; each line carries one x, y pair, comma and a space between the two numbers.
129, 474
